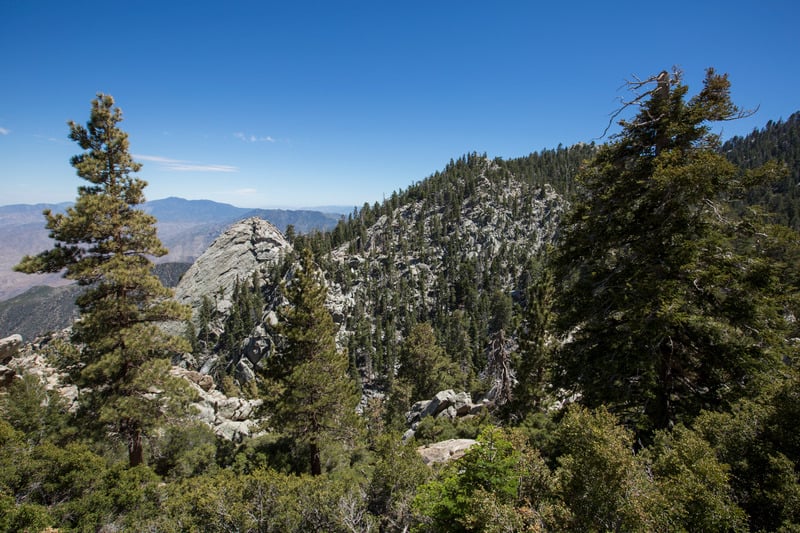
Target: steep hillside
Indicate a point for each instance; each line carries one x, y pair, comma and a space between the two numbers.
457, 250
454, 253
777, 141
42, 309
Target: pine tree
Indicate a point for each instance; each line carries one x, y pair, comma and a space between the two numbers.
670, 300
424, 365
104, 243
319, 398
534, 358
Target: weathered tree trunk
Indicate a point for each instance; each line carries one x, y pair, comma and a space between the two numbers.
316, 463
135, 449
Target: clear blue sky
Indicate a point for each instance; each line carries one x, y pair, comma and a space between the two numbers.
304, 103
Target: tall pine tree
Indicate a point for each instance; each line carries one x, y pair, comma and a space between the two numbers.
105, 242
671, 302
319, 397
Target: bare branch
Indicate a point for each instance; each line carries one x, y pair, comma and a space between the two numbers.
662, 81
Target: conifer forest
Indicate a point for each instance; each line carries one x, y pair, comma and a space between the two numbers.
598, 337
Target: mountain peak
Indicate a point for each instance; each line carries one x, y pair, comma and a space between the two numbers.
249, 245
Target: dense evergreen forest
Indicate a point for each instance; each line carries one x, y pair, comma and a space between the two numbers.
778, 141
627, 312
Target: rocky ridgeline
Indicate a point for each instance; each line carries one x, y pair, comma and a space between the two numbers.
231, 418
486, 223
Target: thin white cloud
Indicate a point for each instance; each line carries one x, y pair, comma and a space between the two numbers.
178, 165
203, 168
155, 159
253, 138
4, 131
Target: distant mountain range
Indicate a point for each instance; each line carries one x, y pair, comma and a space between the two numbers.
186, 227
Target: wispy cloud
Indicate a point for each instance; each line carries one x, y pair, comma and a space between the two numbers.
253, 138
179, 165
4, 131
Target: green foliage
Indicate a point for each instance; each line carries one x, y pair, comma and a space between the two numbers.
33, 410
204, 317
263, 500
247, 306
398, 472
777, 141
478, 492
599, 479
68, 486
758, 438
432, 429
424, 366
184, 450
23, 517
693, 483
534, 359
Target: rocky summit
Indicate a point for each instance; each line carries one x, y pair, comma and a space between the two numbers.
248, 246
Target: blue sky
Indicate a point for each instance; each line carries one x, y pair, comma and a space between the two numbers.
263, 104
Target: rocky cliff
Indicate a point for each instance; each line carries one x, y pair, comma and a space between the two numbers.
251, 245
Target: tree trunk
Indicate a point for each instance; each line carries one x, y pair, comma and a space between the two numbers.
135, 450
316, 463
662, 413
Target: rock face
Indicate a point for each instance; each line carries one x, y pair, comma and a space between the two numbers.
250, 246
231, 418
9, 347
446, 450
247, 246
445, 403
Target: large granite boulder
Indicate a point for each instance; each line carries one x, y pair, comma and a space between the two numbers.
446, 450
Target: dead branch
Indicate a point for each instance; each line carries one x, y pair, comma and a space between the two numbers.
662, 81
